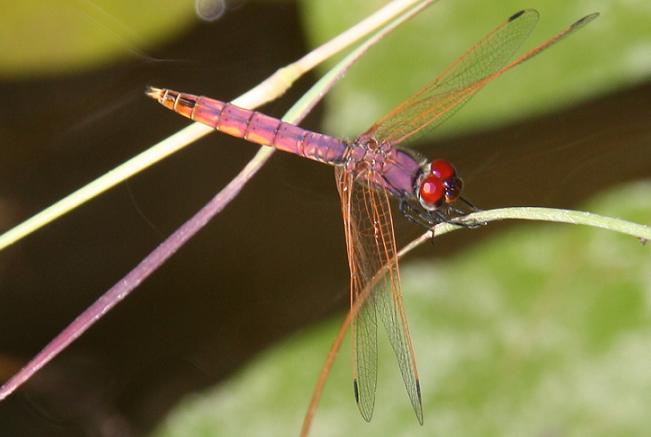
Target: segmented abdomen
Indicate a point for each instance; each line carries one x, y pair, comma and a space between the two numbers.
254, 126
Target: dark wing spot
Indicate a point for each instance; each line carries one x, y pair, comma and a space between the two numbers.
356, 390
516, 15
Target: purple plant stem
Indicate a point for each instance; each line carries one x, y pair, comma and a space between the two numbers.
127, 284
175, 241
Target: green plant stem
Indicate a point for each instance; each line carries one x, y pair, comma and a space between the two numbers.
642, 232
167, 248
267, 90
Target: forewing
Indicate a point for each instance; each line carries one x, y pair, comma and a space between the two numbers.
375, 289
439, 99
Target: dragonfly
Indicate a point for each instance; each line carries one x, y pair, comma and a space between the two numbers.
373, 169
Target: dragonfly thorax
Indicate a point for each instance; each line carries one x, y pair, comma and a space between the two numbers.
367, 155
438, 185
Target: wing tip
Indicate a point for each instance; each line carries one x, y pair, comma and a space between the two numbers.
367, 415
585, 20
521, 13
419, 409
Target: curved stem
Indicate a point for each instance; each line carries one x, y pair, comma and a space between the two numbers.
569, 216
167, 248
642, 232
269, 89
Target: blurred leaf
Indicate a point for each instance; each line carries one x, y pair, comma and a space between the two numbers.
39, 37
542, 330
613, 51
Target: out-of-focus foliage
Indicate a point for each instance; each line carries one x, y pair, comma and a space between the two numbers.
613, 51
41, 37
542, 330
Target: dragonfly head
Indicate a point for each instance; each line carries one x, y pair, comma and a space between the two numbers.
438, 185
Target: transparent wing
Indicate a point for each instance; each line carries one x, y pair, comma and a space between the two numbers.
375, 289
485, 61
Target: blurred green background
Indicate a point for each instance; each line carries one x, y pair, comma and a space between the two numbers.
612, 52
522, 329
541, 330
68, 36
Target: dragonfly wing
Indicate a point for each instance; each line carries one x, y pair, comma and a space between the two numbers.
364, 324
485, 61
375, 289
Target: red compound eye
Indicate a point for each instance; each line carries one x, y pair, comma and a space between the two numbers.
431, 192
442, 169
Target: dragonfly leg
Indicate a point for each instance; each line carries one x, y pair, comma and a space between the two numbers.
467, 209
429, 219
470, 208
444, 216
415, 216
470, 205
459, 221
458, 211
